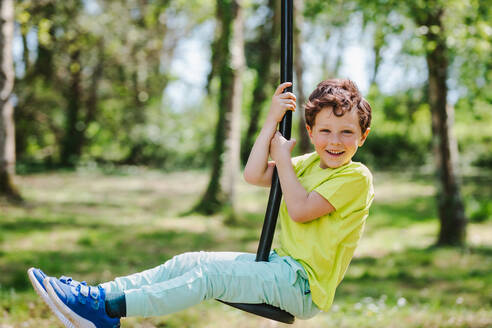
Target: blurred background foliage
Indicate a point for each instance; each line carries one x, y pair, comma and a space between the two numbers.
114, 98
108, 83
93, 77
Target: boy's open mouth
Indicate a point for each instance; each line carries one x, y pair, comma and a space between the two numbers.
335, 153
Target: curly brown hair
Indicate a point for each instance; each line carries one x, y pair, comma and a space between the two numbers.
342, 95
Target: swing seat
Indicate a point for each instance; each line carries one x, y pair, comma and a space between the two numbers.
265, 310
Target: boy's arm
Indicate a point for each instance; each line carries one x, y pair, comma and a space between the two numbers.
301, 205
259, 170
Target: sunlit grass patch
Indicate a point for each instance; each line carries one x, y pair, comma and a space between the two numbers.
401, 186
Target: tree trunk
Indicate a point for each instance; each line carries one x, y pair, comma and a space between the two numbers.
266, 48
229, 45
7, 130
232, 165
74, 126
451, 209
303, 142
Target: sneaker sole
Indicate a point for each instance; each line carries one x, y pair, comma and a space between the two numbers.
38, 288
76, 321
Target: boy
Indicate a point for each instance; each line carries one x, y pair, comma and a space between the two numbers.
326, 195
326, 198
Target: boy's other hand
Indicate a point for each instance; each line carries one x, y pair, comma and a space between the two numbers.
281, 103
281, 148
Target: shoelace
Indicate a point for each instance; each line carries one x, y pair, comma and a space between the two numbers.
85, 293
82, 292
71, 282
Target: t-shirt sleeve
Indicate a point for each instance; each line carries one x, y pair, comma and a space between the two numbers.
299, 161
349, 188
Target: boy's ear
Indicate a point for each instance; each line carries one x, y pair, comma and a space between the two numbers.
364, 137
310, 132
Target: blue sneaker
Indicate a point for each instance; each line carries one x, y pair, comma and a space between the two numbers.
83, 305
36, 276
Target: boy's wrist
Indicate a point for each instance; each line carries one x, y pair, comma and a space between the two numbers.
269, 127
283, 160
270, 124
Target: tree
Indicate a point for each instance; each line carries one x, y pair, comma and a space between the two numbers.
433, 23
451, 208
233, 118
228, 51
74, 129
7, 131
303, 142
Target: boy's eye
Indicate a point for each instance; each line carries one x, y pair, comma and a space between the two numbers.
347, 131
325, 130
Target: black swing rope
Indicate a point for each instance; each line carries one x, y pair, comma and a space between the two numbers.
268, 230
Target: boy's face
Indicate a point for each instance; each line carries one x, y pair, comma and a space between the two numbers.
336, 138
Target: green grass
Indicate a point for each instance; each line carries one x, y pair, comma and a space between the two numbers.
96, 226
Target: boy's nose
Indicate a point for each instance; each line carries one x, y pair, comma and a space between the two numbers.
334, 141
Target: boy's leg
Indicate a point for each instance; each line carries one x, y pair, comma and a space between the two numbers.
272, 282
172, 268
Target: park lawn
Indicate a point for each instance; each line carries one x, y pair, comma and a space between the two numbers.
95, 225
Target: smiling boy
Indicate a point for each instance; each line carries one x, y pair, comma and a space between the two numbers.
326, 199
326, 196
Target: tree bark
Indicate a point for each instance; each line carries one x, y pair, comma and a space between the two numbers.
451, 210
226, 142
304, 143
7, 128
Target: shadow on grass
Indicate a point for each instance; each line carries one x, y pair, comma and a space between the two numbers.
177, 240
26, 224
88, 204
482, 250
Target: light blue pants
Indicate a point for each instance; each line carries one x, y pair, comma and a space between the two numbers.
190, 278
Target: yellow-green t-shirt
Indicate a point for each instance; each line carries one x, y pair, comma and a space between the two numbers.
325, 246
